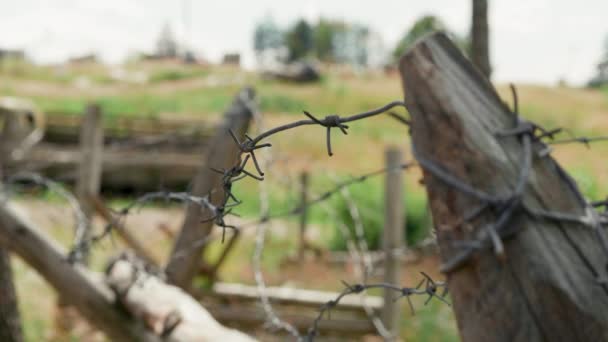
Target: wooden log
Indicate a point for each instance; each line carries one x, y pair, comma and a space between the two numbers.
302, 244
75, 284
211, 270
252, 317
123, 168
222, 153
10, 320
185, 131
131, 240
289, 296
88, 182
394, 221
546, 287
166, 310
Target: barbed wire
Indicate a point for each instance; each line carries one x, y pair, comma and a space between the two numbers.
238, 171
489, 236
367, 265
430, 289
329, 194
272, 318
80, 220
506, 206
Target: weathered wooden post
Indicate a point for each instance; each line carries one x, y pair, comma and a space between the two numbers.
90, 167
303, 214
15, 131
546, 287
392, 239
480, 37
222, 152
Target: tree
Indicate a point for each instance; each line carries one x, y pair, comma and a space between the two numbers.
324, 36
299, 40
601, 76
350, 44
605, 56
166, 45
480, 46
267, 36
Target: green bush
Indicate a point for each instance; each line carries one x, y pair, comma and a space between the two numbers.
176, 74
368, 197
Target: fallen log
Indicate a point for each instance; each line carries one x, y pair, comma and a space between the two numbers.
76, 284
167, 310
154, 312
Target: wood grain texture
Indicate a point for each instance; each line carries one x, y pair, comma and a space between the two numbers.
166, 309
546, 289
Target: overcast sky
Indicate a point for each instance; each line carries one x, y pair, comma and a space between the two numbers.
535, 41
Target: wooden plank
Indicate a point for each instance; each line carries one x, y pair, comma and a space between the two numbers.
291, 296
546, 287
222, 153
64, 128
394, 221
302, 243
140, 169
88, 182
240, 316
76, 285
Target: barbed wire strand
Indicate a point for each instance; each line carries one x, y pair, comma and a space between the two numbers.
272, 317
366, 263
80, 220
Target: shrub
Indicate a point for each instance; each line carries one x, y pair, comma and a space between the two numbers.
369, 197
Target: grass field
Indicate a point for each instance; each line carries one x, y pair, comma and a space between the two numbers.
174, 89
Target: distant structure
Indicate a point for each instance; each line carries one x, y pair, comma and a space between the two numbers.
233, 59
88, 58
601, 78
166, 45
12, 54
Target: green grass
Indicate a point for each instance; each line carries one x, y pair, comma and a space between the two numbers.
196, 101
432, 323
176, 74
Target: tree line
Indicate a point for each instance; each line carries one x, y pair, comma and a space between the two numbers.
341, 42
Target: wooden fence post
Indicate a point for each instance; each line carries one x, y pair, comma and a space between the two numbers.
222, 152
89, 170
10, 319
547, 286
394, 221
303, 245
